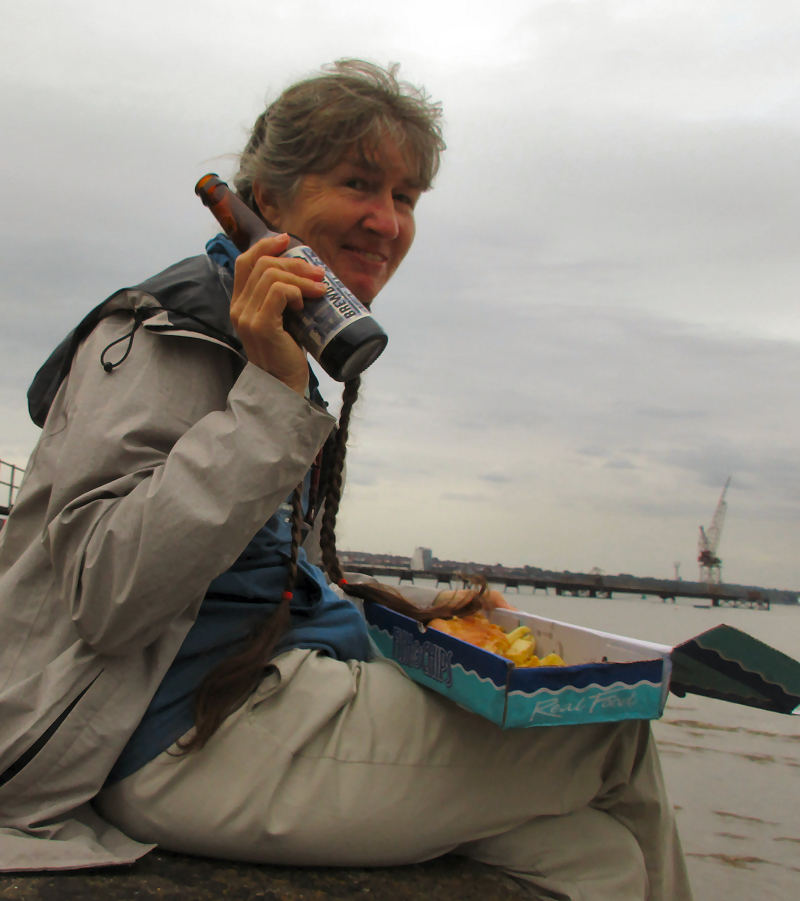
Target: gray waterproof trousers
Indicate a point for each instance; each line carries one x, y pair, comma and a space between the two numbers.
352, 764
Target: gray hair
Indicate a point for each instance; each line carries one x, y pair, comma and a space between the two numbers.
351, 103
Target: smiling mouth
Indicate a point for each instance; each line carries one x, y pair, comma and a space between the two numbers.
368, 255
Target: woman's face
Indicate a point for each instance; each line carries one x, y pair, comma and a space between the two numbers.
358, 218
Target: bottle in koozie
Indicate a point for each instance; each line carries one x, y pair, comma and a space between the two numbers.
337, 329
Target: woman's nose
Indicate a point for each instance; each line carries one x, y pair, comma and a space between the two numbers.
381, 216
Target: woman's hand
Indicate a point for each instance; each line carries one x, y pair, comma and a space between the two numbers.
264, 285
455, 599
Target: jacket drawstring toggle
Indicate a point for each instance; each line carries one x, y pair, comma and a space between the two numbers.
108, 366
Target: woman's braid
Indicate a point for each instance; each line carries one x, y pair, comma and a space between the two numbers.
297, 535
333, 492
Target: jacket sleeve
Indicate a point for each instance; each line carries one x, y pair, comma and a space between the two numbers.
163, 471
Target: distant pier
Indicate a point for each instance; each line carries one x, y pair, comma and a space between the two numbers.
592, 585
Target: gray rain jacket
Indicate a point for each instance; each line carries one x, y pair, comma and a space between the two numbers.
149, 479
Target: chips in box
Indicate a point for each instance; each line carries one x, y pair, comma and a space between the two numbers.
607, 677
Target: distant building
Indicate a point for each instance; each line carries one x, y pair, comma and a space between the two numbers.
422, 559
359, 558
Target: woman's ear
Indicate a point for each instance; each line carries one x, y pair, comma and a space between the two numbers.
267, 206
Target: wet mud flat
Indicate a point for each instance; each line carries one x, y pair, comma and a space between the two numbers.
733, 774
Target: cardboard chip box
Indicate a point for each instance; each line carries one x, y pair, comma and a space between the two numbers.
607, 677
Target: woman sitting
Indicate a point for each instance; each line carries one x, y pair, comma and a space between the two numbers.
175, 670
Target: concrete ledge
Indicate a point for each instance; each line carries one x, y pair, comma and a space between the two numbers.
172, 877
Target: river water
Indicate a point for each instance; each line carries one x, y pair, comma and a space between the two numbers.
732, 772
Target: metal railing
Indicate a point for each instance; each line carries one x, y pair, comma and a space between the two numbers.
10, 480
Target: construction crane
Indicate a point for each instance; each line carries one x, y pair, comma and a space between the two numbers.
707, 544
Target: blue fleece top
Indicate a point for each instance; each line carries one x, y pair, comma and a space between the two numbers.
236, 601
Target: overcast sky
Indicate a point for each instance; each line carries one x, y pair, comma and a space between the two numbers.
598, 323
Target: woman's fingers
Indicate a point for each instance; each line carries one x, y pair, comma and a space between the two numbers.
271, 250
258, 320
494, 599
267, 284
456, 599
261, 267
264, 287
258, 268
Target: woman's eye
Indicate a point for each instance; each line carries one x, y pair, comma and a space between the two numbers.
357, 184
404, 199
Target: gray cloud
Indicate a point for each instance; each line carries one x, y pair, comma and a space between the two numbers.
598, 322
468, 498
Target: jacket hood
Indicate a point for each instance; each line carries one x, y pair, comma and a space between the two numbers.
195, 297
